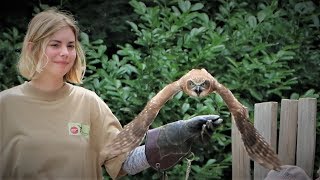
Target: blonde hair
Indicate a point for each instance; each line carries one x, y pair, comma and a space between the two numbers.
40, 29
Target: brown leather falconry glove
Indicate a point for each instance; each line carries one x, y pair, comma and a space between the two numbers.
168, 144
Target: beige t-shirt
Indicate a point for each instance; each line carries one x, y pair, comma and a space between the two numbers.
57, 135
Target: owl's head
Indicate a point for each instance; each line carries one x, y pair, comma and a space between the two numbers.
197, 82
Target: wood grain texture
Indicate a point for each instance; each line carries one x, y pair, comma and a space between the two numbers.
306, 137
265, 121
288, 131
240, 158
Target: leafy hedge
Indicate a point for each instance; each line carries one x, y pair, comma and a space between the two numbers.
261, 51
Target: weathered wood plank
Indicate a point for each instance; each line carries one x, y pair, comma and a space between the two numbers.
297, 136
288, 131
265, 121
240, 158
306, 136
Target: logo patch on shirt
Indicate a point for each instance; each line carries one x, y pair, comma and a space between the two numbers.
77, 129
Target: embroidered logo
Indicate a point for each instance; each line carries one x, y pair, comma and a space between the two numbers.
77, 129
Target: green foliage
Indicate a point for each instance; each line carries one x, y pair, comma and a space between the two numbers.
305, 27
257, 64
103, 19
10, 45
109, 78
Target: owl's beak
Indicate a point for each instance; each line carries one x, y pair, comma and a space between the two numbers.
198, 90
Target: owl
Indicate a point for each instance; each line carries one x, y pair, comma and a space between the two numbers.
197, 83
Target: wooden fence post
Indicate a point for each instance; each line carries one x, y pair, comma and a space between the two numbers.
288, 131
240, 158
306, 140
297, 136
265, 121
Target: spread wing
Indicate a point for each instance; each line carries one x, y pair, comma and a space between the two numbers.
256, 146
133, 133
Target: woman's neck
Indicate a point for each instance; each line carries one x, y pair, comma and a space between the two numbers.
47, 84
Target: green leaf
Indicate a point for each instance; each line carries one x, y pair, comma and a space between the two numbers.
196, 31
261, 15
178, 95
218, 48
84, 38
176, 11
197, 7
315, 20
174, 28
223, 11
139, 7
184, 5
101, 50
211, 161
204, 17
133, 26
218, 99
304, 7
97, 42
310, 94
233, 62
252, 21
294, 96
185, 107
96, 83
255, 94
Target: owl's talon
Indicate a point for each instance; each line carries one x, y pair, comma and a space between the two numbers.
209, 124
205, 130
202, 131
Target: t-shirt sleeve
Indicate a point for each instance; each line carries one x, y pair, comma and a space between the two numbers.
109, 126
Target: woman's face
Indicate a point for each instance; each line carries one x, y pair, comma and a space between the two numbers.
61, 54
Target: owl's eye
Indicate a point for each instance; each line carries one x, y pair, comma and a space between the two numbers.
190, 83
205, 84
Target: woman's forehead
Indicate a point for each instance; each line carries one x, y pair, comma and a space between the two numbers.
65, 34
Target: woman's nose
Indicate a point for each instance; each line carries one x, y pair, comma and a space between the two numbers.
64, 51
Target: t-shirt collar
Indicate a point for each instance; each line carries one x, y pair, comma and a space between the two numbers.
39, 94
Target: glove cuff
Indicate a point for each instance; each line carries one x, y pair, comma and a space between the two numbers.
156, 159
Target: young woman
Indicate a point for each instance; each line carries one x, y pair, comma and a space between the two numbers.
52, 129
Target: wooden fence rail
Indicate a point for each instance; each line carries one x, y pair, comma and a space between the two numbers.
295, 143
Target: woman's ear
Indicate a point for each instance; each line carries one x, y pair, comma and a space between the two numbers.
30, 46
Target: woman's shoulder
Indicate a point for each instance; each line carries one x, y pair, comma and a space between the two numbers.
11, 94
89, 96
83, 91
16, 90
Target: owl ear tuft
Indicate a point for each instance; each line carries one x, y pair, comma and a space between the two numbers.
203, 69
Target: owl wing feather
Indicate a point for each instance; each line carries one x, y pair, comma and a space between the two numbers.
255, 144
133, 133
